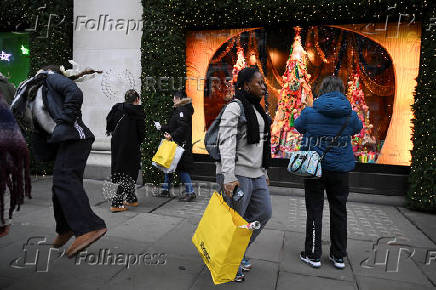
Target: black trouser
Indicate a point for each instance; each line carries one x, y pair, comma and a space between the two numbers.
125, 191
70, 202
336, 186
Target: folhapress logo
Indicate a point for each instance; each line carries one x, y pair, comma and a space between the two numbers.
38, 254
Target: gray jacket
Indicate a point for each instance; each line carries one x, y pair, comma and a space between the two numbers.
238, 157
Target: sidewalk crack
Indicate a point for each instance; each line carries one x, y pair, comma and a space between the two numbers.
161, 205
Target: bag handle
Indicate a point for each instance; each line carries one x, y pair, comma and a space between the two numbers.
336, 137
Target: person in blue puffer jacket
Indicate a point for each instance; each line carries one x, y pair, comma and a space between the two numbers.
320, 124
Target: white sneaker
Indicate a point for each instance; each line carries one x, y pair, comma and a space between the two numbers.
337, 262
315, 263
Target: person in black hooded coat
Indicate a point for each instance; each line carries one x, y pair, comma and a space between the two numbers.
126, 123
179, 129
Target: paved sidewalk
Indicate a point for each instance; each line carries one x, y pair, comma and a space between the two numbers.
389, 247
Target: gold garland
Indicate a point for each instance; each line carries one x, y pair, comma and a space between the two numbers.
374, 87
316, 44
224, 53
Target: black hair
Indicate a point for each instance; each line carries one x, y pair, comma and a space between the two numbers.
181, 94
245, 76
131, 96
331, 84
53, 67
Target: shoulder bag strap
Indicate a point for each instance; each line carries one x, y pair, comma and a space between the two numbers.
118, 123
336, 137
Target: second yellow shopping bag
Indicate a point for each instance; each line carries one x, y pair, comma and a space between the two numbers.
220, 240
165, 153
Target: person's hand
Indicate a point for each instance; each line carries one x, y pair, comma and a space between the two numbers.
267, 181
229, 187
167, 136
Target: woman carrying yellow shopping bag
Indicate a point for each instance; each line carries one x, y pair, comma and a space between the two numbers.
245, 150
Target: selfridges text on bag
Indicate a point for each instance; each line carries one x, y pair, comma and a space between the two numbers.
211, 137
308, 163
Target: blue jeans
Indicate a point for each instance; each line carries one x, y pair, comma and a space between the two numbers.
186, 180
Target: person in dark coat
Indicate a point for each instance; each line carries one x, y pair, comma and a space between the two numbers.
126, 123
179, 129
73, 214
320, 124
14, 167
6, 89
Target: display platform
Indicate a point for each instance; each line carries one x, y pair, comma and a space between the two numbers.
366, 178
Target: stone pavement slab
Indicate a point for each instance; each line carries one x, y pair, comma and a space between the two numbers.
19, 233
366, 283
262, 276
64, 273
426, 222
268, 246
365, 221
192, 211
178, 241
291, 263
145, 227
303, 282
425, 259
384, 261
176, 273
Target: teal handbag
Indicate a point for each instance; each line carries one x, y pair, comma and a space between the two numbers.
308, 163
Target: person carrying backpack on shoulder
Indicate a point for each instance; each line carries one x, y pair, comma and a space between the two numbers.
244, 145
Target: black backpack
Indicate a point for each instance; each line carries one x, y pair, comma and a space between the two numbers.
211, 138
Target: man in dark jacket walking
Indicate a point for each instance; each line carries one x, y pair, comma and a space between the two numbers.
126, 123
72, 210
320, 124
179, 129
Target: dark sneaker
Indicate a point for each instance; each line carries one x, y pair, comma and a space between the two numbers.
240, 277
337, 262
246, 265
314, 262
188, 197
164, 193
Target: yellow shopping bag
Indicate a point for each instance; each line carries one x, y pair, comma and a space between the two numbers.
165, 153
220, 241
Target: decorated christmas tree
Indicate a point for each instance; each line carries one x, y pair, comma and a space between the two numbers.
294, 95
364, 144
240, 64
